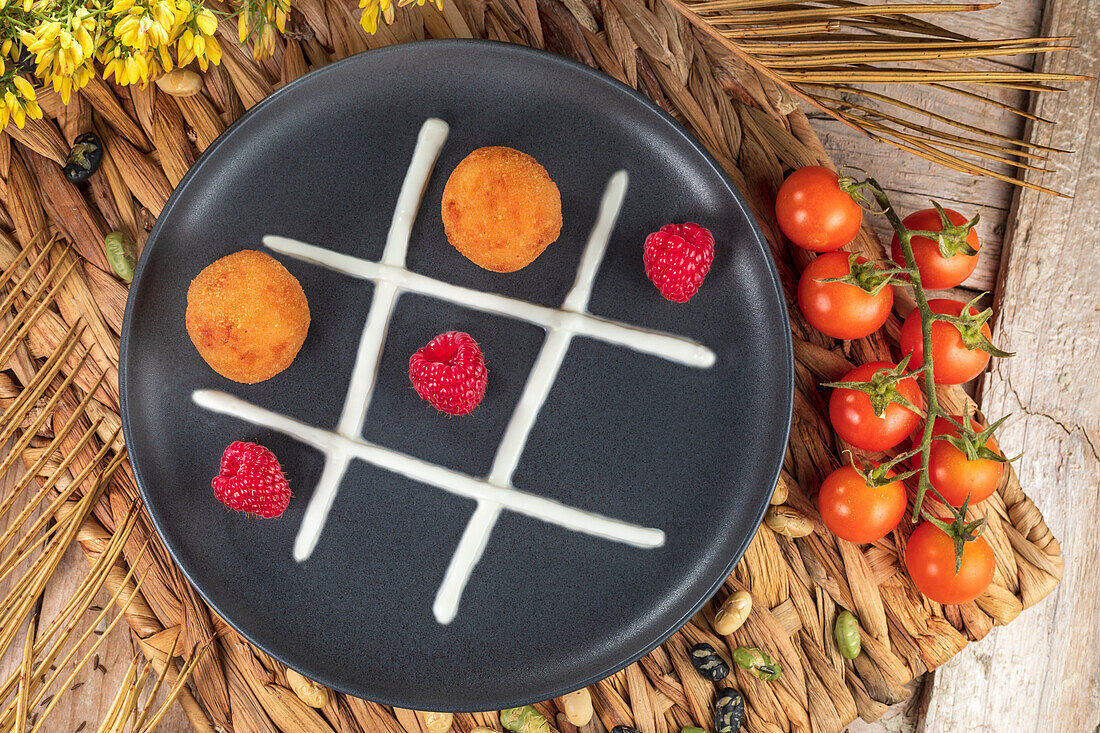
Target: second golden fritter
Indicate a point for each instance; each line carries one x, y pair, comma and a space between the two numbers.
501, 209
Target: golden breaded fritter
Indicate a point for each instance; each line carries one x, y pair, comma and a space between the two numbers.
247, 316
500, 209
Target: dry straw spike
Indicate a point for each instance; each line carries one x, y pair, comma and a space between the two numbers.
849, 46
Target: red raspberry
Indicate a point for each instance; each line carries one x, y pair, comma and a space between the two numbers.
449, 373
251, 480
677, 258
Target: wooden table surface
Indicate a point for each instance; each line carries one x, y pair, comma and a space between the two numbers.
1039, 258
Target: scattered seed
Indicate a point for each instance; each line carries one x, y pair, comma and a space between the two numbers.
82, 726
846, 633
46, 701
578, 707
781, 492
180, 83
95, 609
758, 663
733, 613
708, 664
729, 711
84, 158
311, 693
524, 720
76, 686
437, 722
120, 253
788, 521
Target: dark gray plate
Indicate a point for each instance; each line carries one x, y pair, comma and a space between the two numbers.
693, 452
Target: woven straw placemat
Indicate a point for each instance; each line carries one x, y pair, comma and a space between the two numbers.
754, 130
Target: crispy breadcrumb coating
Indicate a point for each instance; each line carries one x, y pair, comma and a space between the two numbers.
500, 209
247, 316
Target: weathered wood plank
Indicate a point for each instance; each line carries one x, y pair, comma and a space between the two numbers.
1040, 672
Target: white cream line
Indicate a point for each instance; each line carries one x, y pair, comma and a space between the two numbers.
494, 493
674, 348
539, 383
429, 143
441, 477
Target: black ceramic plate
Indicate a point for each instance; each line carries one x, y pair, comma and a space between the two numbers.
693, 452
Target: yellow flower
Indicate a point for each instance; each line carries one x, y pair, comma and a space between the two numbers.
206, 22
19, 103
371, 10
24, 88
265, 43
64, 85
165, 57
213, 53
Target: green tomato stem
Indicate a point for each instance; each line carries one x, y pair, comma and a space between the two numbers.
932, 406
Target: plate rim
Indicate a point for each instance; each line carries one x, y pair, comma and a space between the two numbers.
541, 56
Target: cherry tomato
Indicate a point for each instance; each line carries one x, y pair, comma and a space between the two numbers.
930, 560
855, 421
936, 271
814, 212
952, 362
953, 475
841, 310
856, 512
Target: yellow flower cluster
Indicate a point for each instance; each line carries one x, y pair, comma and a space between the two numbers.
142, 34
265, 18
19, 101
64, 42
375, 9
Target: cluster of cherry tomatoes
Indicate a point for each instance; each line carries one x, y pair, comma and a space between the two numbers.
845, 296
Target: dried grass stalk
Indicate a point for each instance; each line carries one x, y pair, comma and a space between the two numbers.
787, 43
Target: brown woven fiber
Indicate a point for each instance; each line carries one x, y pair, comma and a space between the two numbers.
69, 303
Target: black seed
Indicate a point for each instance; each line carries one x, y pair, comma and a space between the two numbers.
623, 729
84, 158
729, 711
708, 664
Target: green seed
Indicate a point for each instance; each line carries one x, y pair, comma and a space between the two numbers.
120, 253
691, 729
846, 633
757, 662
524, 720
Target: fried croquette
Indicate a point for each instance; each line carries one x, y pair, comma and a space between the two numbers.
500, 209
247, 316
